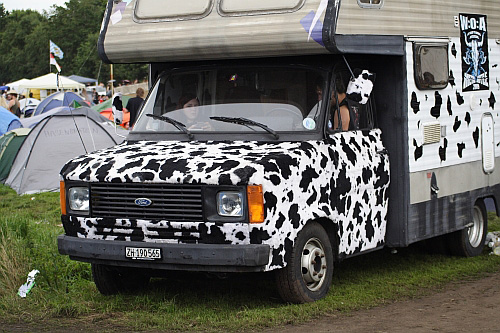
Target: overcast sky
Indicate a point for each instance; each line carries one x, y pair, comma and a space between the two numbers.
31, 4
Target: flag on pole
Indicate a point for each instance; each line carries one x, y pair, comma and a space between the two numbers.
54, 62
56, 50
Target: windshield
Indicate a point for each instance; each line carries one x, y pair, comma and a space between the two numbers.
277, 99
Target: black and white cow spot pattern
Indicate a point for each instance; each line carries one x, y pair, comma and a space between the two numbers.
475, 136
442, 150
460, 148
415, 104
451, 79
460, 99
448, 106
360, 86
302, 181
492, 101
436, 109
457, 124
418, 150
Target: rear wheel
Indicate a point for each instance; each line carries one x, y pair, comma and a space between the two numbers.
111, 280
308, 274
469, 242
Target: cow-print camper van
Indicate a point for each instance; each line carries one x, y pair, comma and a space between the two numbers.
289, 135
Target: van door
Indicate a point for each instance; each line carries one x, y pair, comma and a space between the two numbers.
362, 182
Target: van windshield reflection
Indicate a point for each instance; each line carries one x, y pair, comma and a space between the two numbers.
269, 99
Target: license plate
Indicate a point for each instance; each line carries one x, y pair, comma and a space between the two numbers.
142, 253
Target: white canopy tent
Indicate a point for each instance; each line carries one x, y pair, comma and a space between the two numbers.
49, 81
16, 86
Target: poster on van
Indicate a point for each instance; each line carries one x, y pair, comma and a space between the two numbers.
475, 62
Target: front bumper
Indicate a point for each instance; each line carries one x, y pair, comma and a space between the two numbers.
198, 257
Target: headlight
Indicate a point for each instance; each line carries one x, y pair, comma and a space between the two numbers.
230, 203
78, 198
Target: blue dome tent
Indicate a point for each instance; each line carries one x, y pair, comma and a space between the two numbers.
8, 121
60, 98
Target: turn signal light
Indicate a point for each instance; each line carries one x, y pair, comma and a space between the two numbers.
255, 203
62, 197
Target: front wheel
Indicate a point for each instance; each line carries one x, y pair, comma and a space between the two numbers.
309, 271
469, 242
111, 280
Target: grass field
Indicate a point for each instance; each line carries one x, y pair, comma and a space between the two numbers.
29, 226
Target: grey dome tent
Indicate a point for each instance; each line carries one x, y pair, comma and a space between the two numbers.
52, 142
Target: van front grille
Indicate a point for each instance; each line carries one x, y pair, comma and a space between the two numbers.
168, 202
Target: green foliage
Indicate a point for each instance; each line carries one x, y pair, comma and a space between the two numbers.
194, 301
25, 35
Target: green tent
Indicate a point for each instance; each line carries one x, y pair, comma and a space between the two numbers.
10, 143
107, 104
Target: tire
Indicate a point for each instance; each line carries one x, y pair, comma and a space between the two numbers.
309, 271
469, 242
111, 280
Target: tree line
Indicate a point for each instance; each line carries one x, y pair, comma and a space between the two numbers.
25, 35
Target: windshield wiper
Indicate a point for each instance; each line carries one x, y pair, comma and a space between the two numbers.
177, 124
246, 122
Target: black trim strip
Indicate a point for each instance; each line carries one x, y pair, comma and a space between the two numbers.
357, 44
102, 35
330, 26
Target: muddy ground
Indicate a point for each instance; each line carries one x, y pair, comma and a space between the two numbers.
464, 306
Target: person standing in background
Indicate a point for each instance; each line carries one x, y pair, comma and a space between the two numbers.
134, 105
14, 105
3, 101
95, 96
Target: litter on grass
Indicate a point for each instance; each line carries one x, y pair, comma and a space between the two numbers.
493, 241
30, 283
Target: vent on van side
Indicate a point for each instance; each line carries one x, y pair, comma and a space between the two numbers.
432, 133
488, 161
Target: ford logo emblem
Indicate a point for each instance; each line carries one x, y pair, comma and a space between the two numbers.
143, 202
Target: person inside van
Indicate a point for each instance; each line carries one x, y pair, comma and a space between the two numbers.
346, 108
315, 111
189, 104
342, 105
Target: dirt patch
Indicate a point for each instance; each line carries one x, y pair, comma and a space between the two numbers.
464, 306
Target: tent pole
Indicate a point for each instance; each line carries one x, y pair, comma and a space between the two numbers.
99, 73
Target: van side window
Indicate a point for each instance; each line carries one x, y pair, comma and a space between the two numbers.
370, 3
354, 101
245, 7
152, 11
431, 65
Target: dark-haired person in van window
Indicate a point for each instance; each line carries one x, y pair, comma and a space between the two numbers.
346, 109
342, 105
189, 104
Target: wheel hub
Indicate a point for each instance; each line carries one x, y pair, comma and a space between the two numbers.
313, 264
475, 231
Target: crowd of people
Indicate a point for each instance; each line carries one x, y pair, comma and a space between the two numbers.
9, 99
